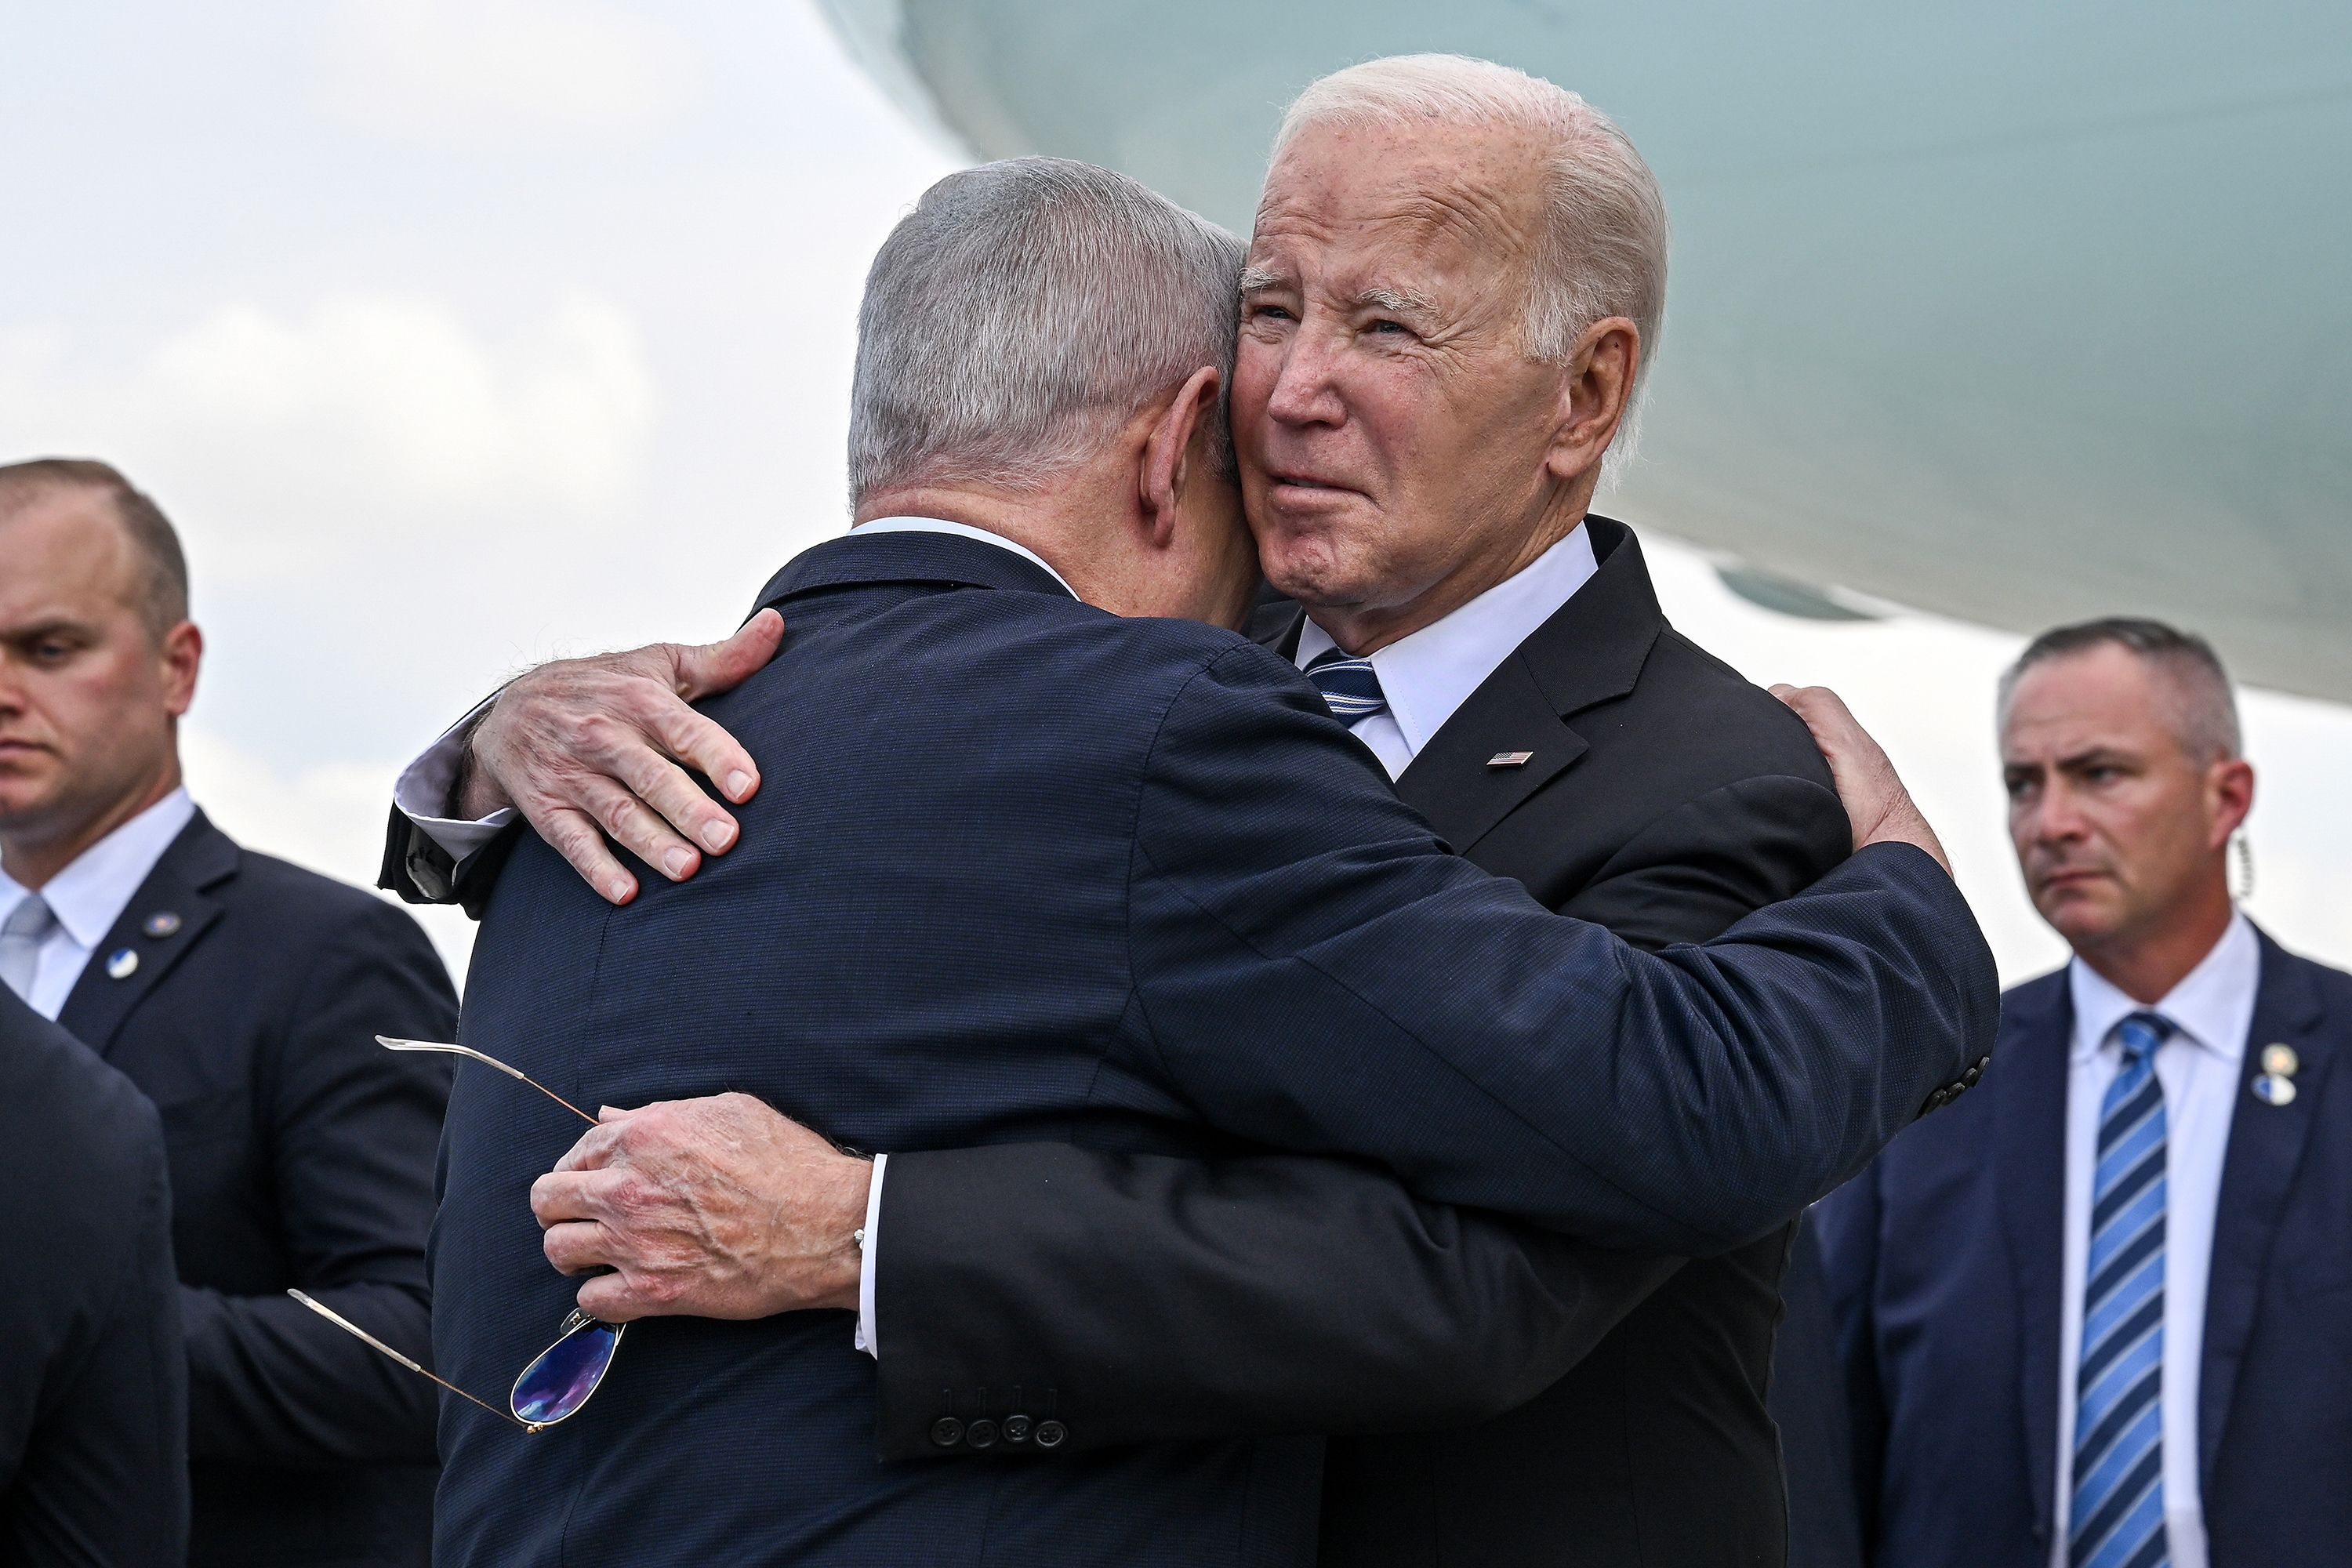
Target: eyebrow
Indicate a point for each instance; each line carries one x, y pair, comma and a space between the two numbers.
1399, 301
1256, 277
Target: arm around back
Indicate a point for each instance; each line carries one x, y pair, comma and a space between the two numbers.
1315, 973
1142, 1298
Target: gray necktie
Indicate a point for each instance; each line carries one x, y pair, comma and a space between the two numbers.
20, 943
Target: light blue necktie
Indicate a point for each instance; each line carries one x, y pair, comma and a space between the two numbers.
21, 935
2117, 1519
1348, 685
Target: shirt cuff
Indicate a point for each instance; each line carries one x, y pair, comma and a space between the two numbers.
866, 1337
423, 793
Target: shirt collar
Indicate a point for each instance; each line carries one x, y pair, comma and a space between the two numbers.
1427, 674
965, 530
91, 894
2212, 1006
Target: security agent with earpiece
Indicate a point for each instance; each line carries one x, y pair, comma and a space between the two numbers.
2101, 1311
242, 995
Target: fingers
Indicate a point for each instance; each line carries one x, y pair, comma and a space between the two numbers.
670, 791
613, 1298
711, 667
636, 826
574, 835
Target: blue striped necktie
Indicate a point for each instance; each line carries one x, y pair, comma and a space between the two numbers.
1348, 685
2117, 1519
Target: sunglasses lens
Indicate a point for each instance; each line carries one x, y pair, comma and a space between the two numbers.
566, 1373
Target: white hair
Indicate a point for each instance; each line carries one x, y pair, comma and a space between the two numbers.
1603, 250
1022, 311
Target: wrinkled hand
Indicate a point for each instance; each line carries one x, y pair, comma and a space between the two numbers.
1880, 808
584, 747
707, 1208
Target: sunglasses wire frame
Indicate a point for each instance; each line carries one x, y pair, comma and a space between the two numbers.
575, 1323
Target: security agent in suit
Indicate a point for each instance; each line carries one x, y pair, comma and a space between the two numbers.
93, 1383
1161, 883
2148, 1221
242, 995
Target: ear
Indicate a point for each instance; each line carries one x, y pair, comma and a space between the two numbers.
1169, 455
1595, 389
2232, 787
183, 652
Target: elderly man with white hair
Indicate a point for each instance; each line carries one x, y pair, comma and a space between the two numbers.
1455, 282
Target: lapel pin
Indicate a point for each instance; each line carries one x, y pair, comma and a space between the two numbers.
162, 923
121, 964
2273, 1089
1510, 759
2280, 1061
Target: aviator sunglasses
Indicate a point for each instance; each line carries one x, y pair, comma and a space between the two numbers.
560, 1379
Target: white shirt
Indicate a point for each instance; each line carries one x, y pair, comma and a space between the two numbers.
1425, 676
2212, 1008
91, 894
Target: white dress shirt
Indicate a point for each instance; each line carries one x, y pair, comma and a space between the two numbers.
2212, 1010
91, 894
1425, 676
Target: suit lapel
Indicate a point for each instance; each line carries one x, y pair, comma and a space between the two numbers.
2029, 1146
1590, 651
1448, 780
200, 858
2266, 1144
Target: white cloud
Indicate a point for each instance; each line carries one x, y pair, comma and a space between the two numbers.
285, 444
457, 72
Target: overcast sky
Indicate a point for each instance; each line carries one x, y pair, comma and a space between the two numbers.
459, 335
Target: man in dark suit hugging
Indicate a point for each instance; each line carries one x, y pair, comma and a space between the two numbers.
1021, 872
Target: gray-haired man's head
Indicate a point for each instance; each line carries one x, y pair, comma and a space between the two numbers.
1023, 311
1457, 276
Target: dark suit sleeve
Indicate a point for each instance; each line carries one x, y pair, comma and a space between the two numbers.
1847, 1222
1167, 1300
421, 872
1309, 1295
1696, 869
104, 1480
1313, 972
352, 1130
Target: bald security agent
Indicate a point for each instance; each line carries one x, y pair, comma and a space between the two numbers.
242, 995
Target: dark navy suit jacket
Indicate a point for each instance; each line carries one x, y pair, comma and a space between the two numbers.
1020, 870
301, 1154
93, 1380
1946, 1260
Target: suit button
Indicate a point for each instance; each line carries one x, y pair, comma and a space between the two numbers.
980, 1433
1050, 1434
1016, 1428
947, 1431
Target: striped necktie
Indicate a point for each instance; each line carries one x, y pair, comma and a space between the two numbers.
1348, 685
2117, 1519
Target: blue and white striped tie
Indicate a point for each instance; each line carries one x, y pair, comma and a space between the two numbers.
2117, 1519
1348, 685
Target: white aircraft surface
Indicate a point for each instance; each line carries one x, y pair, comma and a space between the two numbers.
2014, 313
